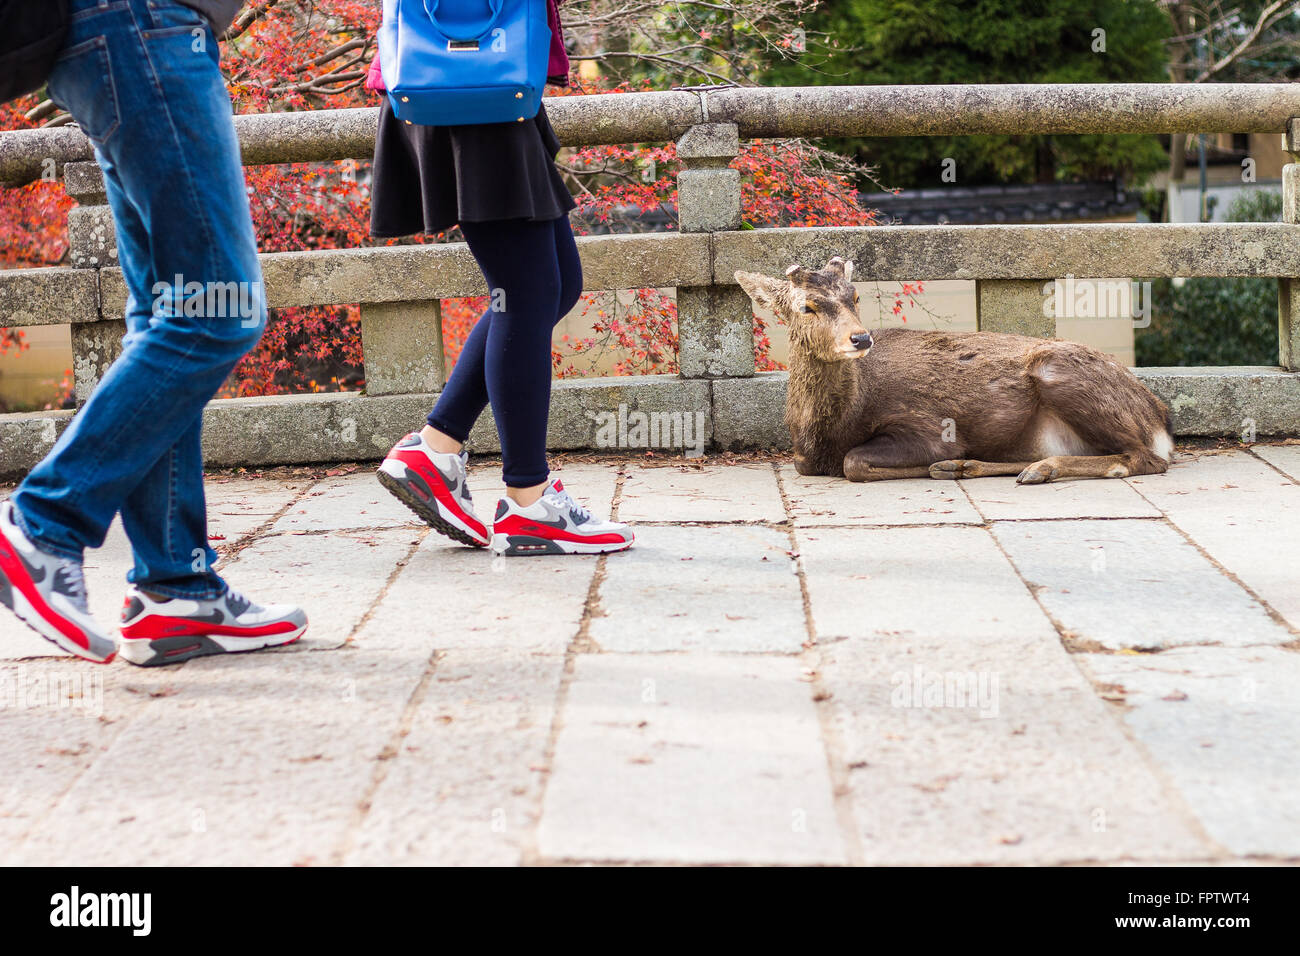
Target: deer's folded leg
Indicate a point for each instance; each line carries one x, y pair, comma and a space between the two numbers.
1080, 466
969, 468
888, 456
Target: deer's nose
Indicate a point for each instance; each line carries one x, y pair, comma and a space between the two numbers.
861, 340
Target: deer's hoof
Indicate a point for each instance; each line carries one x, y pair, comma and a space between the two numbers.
1037, 473
947, 469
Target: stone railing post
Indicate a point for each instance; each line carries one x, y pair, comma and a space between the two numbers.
402, 343
715, 324
1288, 301
1013, 305
92, 245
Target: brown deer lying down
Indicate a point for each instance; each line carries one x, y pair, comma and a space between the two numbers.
902, 403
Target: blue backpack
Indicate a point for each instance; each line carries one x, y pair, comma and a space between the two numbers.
461, 62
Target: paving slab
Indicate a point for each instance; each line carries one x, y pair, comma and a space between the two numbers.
259, 759
1221, 723
346, 501
716, 493
1244, 515
711, 588
465, 784
1001, 499
1285, 458
1214, 480
451, 596
56, 718
991, 749
965, 731
816, 500
951, 583
695, 758
1126, 584
239, 506
336, 577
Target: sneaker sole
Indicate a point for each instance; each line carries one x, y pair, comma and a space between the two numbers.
525, 546
402, 487
14, 599
175, 650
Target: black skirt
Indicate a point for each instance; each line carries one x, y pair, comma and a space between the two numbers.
428, 178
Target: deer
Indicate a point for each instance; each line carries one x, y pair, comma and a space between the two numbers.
909, 403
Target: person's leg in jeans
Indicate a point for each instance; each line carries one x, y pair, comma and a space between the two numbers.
534, 277
165, 515
141, 78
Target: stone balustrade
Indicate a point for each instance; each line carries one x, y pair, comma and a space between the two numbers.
399, 287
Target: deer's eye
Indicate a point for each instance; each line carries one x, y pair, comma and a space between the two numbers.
808, 307
855, 298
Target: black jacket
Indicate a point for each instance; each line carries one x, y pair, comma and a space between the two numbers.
220, 12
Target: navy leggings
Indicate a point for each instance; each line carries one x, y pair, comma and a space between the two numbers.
534, 278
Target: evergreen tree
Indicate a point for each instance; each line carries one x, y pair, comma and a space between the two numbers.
991, 41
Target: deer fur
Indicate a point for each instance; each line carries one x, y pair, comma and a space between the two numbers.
902, 403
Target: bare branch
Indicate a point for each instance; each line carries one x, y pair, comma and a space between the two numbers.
247, 18
1267, 17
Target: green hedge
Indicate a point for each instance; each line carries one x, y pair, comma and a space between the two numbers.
1216, 321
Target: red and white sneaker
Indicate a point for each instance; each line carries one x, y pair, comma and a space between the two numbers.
48, 594
157, 630
555, 524
434, 485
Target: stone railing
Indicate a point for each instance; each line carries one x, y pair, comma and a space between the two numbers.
399, 287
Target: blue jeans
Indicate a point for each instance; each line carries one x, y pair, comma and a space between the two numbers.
141, 79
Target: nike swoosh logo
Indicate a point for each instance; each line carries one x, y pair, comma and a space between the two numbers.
37, 574
557, 518
455, 485
559, 523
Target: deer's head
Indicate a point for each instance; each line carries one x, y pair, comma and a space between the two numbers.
820, 308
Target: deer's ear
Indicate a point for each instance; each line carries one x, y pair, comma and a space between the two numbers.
798, 299
762, 289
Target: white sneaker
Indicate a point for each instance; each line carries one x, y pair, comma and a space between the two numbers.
48, 594
434, 485
555, 524
158, 630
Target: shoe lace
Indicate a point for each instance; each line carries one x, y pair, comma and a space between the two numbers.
236, 602
464, 480
70, 579
564, 499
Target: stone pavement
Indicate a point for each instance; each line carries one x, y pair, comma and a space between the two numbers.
784, 670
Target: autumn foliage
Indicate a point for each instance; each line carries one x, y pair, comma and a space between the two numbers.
298, 55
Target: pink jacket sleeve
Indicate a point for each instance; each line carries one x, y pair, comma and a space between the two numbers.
557, 69
375, 79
